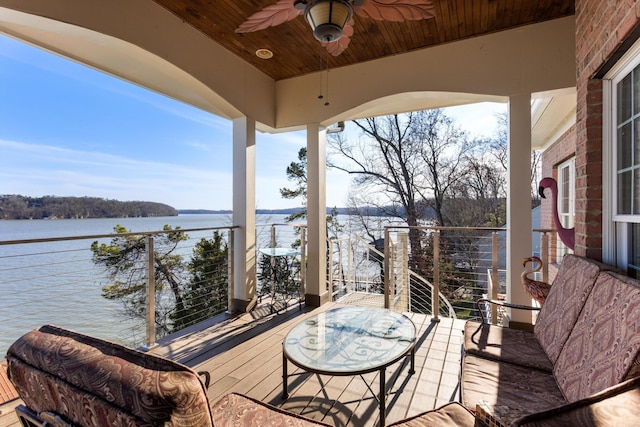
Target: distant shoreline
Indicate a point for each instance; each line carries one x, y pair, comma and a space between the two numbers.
19, 207
288, 211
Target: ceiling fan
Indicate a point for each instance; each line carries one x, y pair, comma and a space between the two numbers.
332, 20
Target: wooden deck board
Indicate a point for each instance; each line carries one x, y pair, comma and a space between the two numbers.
244, 354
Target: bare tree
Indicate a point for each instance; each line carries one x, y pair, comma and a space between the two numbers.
499, 144
536, 158
420, 166
401, 161
479, 199
499, 149
444, 153
404, 164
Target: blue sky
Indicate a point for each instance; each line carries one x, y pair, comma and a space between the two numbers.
68, 130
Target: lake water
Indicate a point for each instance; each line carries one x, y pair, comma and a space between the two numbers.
57, 283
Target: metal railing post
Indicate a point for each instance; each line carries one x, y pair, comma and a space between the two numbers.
272, 262
303, 262
387, 269
404, 289
151, 294
349, 279
338, 275
330, 270
435, 298
494, 277
273, 235
354, 249
231, 272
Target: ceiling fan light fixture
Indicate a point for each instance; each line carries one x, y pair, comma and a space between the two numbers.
327, 18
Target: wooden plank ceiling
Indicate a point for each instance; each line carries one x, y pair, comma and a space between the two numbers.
296, 52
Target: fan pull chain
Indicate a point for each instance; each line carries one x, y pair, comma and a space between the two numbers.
320, 96
326, 103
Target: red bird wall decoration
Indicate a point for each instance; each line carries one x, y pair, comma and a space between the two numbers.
567, 235
380, 10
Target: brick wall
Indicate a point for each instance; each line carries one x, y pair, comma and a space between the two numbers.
601, 27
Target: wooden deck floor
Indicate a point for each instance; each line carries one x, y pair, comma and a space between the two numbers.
244, 355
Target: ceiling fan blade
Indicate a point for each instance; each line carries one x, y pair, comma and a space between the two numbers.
272, 15
396, 10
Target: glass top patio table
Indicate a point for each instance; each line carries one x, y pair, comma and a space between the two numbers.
350, 341
280, 293
279, 251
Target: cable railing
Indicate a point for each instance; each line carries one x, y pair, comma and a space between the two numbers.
57, 279
398, 272
421, 292
355, 267
107, 292
471, 264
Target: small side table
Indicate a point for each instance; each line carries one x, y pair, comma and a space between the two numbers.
279, 289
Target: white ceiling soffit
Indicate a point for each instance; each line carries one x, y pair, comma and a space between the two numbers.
552, 114
398, 103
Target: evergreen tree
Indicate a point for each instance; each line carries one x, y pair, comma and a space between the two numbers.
207, 292
297, 173
185, 292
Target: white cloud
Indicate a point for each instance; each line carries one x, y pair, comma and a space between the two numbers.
36, 170
200, 146
477, 119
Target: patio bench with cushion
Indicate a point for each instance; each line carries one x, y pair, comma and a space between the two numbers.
579, 366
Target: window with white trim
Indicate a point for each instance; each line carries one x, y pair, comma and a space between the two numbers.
627, 124
621, 241
566, 199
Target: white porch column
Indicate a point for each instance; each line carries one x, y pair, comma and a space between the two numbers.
518, 202
244, 213
316, 293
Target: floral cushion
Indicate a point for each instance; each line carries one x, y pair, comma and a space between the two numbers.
91, 382
604, 345
568, 294
507, 385
449, 415
505, 345
234, 410
617, 406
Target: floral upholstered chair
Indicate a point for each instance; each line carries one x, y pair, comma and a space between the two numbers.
68, 379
